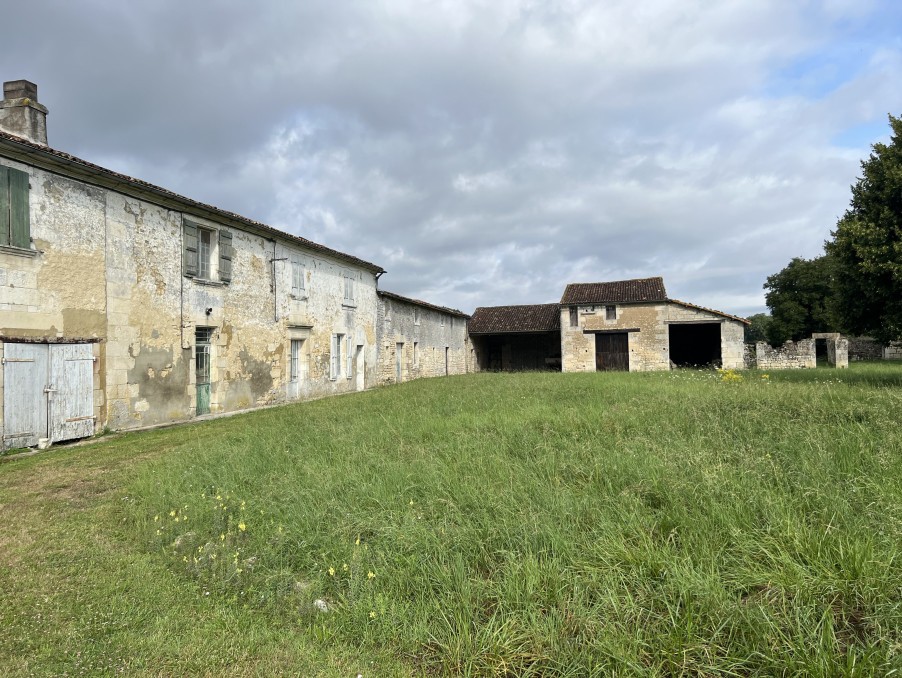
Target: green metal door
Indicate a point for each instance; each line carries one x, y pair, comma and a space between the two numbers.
202, 337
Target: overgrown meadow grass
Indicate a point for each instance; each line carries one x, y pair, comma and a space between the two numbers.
519, 524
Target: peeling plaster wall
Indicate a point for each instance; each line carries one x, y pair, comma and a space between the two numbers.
432, 331
110, 267
649, 348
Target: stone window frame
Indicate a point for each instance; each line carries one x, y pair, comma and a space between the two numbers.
610, 312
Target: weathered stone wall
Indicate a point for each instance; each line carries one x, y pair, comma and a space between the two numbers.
425, 335
893, 351
750, 358
649, 348
865, 348
791, 355
110, 266
838, 352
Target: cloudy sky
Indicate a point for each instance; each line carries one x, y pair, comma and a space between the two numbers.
488, 152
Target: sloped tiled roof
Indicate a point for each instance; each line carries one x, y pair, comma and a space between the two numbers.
709, 310
616, 292
514, 319
27, 151
424, 304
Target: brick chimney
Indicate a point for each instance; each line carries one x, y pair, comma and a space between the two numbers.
20, 112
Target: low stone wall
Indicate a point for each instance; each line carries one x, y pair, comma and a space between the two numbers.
749, 358
865, 348
893, 351
791, 355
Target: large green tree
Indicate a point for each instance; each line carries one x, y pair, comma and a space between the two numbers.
867, 246
758, 327
799, 299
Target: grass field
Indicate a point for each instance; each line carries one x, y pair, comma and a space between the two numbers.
685, 523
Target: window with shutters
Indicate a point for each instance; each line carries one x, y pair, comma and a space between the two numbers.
207, 253
298, 273
15, 215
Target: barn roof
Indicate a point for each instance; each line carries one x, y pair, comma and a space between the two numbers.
515, 319
424, 304
616, 292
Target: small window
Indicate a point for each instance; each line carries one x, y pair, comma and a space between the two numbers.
610, 312
15, 213
574, 317
416, 354
416, 316
442, 316
297, 277
349, 290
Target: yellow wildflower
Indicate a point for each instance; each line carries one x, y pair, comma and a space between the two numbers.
156, 519
370, 574
222, 537
172, 513
372, 615
242, 526
331, 571
357, 543
344, 566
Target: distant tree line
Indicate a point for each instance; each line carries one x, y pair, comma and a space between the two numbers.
855, 287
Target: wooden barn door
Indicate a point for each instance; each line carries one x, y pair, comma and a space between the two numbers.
48, 392
612, 352
71, 391
24, 399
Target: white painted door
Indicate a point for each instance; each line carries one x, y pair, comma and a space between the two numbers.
71, 391
25, 369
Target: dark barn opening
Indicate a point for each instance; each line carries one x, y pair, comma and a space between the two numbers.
612, 352
517, 338
695, 345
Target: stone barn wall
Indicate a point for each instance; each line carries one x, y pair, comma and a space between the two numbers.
425, 333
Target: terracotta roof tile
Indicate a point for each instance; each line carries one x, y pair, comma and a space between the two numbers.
514, 319
616, 292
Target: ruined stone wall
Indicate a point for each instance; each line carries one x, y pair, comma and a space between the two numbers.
865, 348
893, 351
424, 334
791, 355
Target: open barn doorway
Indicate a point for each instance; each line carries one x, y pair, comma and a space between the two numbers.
695, 345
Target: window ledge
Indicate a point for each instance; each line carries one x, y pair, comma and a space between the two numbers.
300, 297
19, 251
349, 304
207, 283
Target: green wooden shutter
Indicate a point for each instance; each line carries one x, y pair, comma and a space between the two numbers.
225, 256
4, 205
19, 212
190, 249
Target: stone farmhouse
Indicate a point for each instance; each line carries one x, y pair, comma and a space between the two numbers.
623, 325
125, 305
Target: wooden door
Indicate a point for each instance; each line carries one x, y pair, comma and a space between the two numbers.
71, 391
24, 399
612, 352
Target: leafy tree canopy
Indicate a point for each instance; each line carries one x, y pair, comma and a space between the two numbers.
757, 330
799, 299
867, 246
